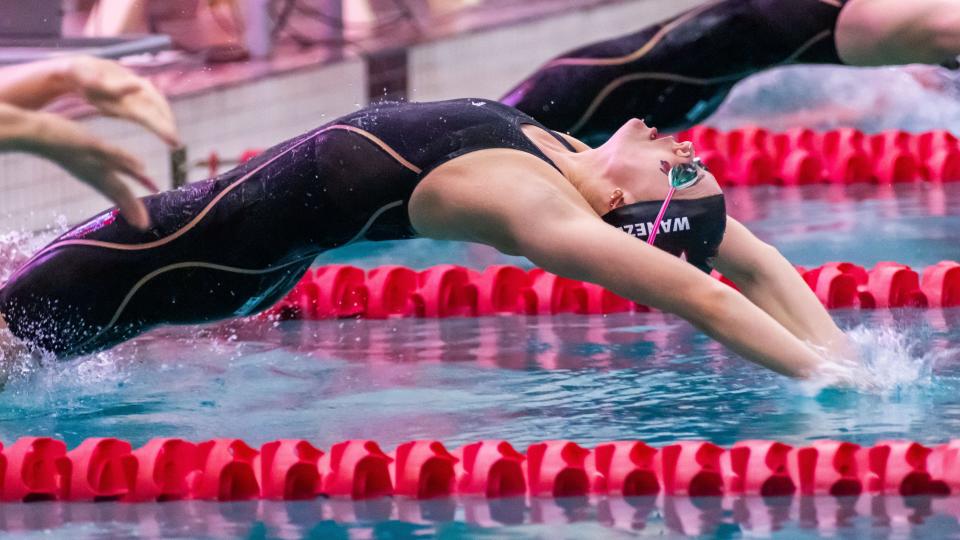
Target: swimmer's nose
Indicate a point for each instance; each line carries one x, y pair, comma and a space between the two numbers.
646, 131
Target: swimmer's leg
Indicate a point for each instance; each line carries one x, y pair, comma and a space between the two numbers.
215, 249
885, 32
676, 73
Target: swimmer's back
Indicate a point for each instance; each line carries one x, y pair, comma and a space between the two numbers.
234, 244
676, 73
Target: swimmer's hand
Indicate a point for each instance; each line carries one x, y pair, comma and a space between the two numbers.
118, 92
94, 161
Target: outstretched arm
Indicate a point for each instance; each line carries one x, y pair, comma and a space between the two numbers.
773, 284
588, 249
536, 218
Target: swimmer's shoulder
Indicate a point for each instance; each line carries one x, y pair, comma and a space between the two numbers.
485, 196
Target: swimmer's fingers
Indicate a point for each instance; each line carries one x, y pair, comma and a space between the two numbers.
132, 208
155, 114
91, 160
129, 165
147, 107
104, 169
116, 91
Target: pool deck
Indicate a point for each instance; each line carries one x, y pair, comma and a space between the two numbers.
228, 108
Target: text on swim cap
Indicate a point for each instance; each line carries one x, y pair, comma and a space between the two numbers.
668, 225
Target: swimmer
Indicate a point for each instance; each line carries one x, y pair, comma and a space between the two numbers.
468, 170
677, 73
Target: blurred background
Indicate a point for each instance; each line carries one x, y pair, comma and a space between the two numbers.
246, 74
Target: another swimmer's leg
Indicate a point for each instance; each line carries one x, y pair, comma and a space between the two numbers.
887, 32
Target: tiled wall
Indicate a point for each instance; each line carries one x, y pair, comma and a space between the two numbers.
263, 112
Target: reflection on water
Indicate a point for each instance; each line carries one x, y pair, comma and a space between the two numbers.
921, 517
590, 379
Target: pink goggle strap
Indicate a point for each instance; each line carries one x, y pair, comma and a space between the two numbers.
663, 210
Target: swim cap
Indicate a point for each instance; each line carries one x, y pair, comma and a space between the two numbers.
691, 228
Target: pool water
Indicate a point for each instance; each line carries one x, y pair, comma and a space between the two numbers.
524, 379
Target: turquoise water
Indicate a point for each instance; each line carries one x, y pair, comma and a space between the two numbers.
586, 378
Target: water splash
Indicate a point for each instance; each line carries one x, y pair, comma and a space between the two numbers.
890, 360
826, 97
18, 245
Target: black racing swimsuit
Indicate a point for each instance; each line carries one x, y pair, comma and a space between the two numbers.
676, 73
233, 245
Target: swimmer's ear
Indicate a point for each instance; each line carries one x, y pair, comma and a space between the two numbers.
665, 167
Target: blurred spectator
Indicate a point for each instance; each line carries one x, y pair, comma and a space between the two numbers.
213, 28
109, 87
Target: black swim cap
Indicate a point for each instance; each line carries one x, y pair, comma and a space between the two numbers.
692, 228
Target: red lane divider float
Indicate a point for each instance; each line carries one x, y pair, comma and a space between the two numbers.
106, 469
754, 156
340, 291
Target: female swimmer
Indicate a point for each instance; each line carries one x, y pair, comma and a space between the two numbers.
676, 73
470, 170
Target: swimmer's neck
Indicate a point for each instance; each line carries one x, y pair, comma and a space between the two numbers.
587, 167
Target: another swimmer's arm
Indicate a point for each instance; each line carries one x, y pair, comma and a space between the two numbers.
95, 162
113, 89
35, 84
769, 280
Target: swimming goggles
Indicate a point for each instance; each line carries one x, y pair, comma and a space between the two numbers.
682, 176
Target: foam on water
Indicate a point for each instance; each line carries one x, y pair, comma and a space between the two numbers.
826, 97
890, 360
33, 373
17, 246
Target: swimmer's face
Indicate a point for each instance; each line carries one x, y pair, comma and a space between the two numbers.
638, 160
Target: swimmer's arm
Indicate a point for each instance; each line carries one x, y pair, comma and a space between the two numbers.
16, 128
769, 280
113, 89
590, 250
564, 238
36, 84
105, 167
